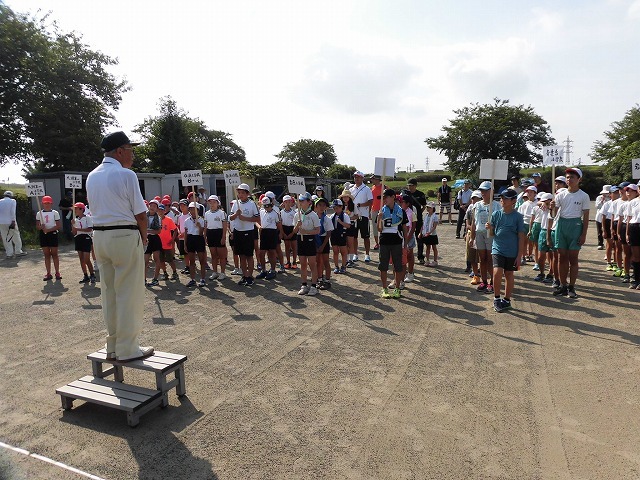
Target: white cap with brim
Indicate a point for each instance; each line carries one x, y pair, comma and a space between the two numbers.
287, 197
243, 186
532, 188
486, 185
577, 171
358, 173
193, 205
476, 194
213, 197
605, 189
154, 201
561, 179
546, 196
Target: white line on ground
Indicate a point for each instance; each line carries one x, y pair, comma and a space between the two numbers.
48, 460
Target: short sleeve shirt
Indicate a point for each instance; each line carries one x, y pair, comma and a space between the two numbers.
572, 205
445, 194
166, 233
83, 223
191, 225
215, 220
481, 214
506, 228
361, 194
288, 217
248, 209
48, 219
269, 220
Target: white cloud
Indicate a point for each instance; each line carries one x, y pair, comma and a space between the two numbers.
634, 10
546, 21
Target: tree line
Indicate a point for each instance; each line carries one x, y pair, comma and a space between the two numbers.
57, 99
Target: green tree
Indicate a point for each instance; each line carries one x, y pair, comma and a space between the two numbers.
339, 170
56, 97
497, 130
308, 157
622, 145
170, 141
221, 152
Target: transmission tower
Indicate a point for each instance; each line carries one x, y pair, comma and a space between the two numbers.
427, 164
567, 150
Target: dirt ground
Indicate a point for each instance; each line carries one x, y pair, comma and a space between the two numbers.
344, 385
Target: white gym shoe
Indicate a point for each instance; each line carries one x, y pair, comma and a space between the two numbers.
312, 291
409, 278
213, 276
367, 258
141, 353
236, 271
221, 276
304, 289
401, 285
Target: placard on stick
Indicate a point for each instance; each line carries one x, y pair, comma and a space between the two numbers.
35, 189
296, 185
385, 167
191, 178
231, 178
72, 181
493, 169
635, 168
553, 155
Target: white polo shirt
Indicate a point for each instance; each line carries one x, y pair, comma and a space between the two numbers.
114, 194
7, 211
572, 204
361, 194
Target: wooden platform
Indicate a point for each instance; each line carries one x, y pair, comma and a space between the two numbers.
136, 401
161, 364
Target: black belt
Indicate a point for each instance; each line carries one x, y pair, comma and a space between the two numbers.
116, 227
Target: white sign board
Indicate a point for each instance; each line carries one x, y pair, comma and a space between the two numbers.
231, 177
296, 185
492, 169
191, 177
385, 167
35, 189
635, 168
72, 181
553, 155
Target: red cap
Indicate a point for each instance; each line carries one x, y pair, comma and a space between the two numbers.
190, 194
47, 199
165, 201
79, 205
157, 197
167, 196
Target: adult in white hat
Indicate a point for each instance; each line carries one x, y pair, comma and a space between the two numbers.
362, 199
600, 201
8, 226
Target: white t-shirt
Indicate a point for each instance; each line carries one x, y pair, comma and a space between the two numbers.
634, 210
82, 223
361, 194
481, 213
191, 225
181, 219
288, 217
215, 220
48, 219
328, 224
622, 211
248, 209
429, 222
310, 221
526, 209
269, 220
572, 205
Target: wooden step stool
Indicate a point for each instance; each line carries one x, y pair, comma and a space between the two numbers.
136, 401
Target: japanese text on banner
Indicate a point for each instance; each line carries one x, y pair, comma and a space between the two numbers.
73, 181
191, 177
231, 177
553, 155
35, 189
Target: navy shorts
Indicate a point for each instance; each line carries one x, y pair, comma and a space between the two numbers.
243, 241
83, 242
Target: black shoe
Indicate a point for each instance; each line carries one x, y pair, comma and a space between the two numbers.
540, 277
562, 291
85, 279
243, 282
458, 235
248, 281
571, 292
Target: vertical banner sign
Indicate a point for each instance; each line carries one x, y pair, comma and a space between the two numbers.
73, 182
553, 155
635, 168
296, 185
35, 189
231, 178
495, 170
191, 178
385, 167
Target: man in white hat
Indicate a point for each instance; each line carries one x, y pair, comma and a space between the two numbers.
362, 199
600, 201
8, 227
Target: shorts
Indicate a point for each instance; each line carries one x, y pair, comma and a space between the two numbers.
83, 242
214, 237
508, 264
352, 231
154, 244
243, 242
326, 249
166, 255
307, 246
256, 233
288, 229
445, 206
623, 234
634, 234
48, 240
431, 240
411, 244
568, 231
606, 225
181, 247
269, 238
387, 252
542, 241
483, 240
614, 230
339, 239
195, 243
362, 225
535, 231
472, 254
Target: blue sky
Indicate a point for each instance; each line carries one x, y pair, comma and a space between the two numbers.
373, 78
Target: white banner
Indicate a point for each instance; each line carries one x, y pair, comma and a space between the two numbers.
72, 181
385, 167
492, 169
191, 177
231, 178
296, 185
35, 189
635, 168
553, 155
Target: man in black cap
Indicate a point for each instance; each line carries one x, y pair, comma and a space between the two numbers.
66, 208
418, 201
120, 237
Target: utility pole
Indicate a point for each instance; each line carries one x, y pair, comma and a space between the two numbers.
427, 164
567, 150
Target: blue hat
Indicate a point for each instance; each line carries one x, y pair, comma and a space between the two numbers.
486, 185
536, 175
509, 193
624, 184
304, 196
613, 188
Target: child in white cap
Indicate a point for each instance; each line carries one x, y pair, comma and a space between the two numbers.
216, 225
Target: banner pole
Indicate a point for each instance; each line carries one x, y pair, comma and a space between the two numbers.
493, 175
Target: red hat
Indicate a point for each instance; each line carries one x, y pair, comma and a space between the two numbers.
190, 194
166, 196
79, 205
157, 197
47, 199
165, 201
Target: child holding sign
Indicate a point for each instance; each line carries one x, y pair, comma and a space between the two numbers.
48, 223
81, 229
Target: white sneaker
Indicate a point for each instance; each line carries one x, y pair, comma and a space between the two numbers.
142, 352
304, 289
401, 285
409, 278
213, 276
355, 258
236, 271
221, 276
95, 266
367, 258
312, 291
21, 254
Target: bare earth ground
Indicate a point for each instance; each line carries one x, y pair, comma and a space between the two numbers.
343, 385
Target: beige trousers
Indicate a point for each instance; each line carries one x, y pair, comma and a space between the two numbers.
120, 256
11, 239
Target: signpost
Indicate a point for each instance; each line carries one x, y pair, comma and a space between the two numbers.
36, 189
296, 186
553, 155
493, 169
231, 178
73, 181
385, 167
635, 168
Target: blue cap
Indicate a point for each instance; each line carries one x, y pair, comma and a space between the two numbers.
486, 185
304, 196
624, 184
509, 193
613, 188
